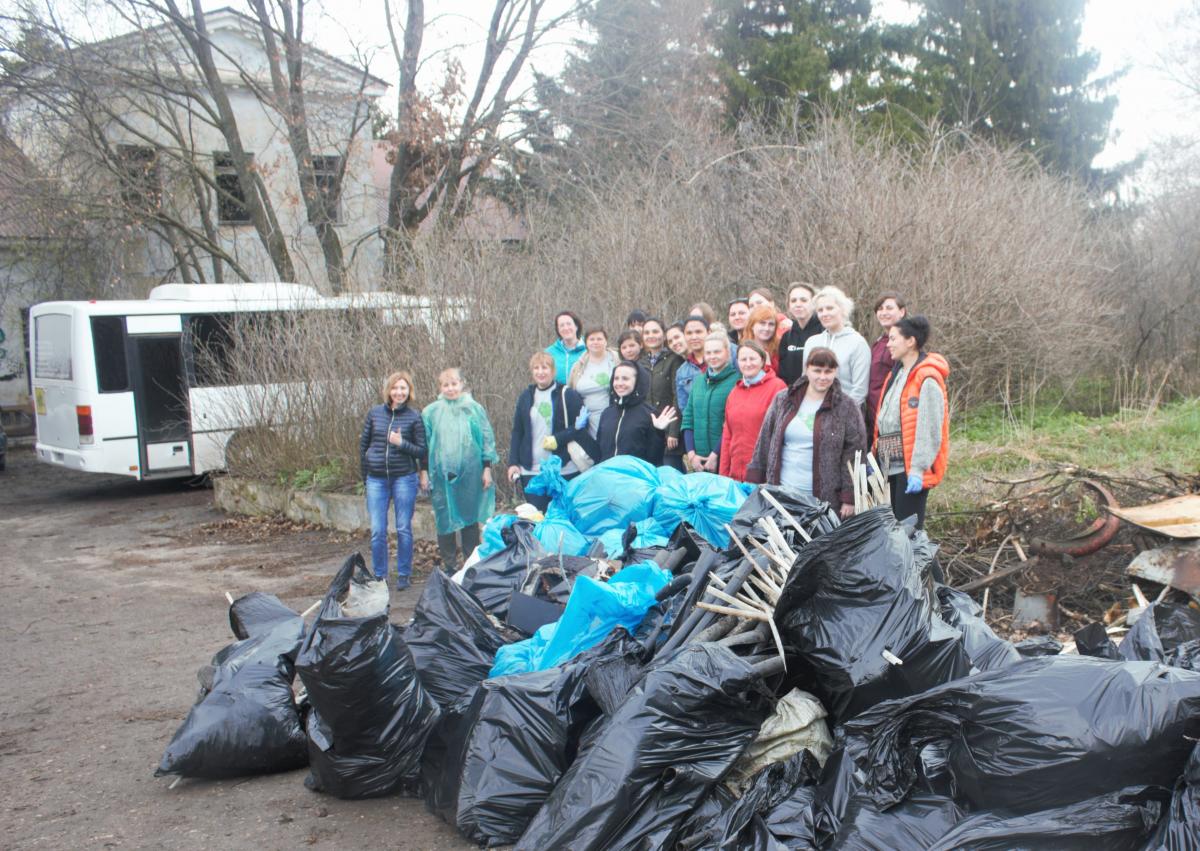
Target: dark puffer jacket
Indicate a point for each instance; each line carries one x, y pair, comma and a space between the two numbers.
382, 459
626, 429
662, 384
838, 431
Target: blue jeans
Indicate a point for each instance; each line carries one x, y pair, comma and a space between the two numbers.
402, 493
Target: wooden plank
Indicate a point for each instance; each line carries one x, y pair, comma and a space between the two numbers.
1175, 518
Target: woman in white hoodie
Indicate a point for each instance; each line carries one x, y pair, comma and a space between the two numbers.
834, 309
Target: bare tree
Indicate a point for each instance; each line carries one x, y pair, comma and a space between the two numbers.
515, 27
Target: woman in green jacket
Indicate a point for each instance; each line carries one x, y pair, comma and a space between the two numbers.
704, 416
462, 449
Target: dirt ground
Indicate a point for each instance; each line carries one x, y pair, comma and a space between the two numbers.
114, 597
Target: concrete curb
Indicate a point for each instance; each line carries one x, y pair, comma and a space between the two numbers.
344, 512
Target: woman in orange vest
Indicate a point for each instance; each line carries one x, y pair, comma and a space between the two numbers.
912, 424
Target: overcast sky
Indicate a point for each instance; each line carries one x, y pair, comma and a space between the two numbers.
1130, 34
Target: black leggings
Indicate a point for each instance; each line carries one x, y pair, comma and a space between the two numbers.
448, 544
907, 504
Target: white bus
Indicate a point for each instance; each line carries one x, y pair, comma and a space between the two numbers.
118, 386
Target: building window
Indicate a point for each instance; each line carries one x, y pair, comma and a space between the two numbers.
325, 170
141, 187
231, 201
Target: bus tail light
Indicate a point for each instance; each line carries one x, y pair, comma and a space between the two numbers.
83, 416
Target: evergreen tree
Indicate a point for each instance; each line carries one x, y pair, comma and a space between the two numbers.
620, 95
820, 51
1014, 71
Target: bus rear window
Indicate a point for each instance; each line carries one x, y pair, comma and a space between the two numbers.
52, 351
108, 342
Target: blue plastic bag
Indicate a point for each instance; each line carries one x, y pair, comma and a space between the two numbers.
492, 542
705, 501
649, 534
593, 610
611, 495
549, 480
556, 534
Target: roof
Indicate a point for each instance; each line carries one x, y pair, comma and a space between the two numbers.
228, 18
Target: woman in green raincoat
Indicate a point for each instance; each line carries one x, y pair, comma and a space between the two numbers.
462, 449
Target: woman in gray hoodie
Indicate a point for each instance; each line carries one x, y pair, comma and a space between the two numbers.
834, 309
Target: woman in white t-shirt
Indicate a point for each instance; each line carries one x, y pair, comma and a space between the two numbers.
810, 432
591, 376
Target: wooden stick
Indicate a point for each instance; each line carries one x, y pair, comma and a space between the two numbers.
783, 565
772, 594
737, 613
790, 519
778, 641
1020, 552
1139, 596
992, 569
730, 599
311, 609
777, 539
176, 782
229, 597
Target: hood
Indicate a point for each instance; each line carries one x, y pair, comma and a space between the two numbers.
932, 362
558, 347
633, 399
463, 397
768, 372
722, 375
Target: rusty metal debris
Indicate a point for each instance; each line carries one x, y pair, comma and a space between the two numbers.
1175, 565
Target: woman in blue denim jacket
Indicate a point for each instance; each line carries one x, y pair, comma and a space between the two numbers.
392, 450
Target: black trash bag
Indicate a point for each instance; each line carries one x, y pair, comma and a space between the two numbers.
1186, 656
551, 578
493, 579
914, 825
987, 650
370, 714
1161, 628
256, 613
1041, 645
853, 594
687, 537
496, 754
1093, 640
1040, 734
245, 720
1118, 821
815, 516
451, 639
640, 774
725, 822
1179, 829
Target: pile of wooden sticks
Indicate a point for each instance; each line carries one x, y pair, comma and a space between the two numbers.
870, 486
753, 601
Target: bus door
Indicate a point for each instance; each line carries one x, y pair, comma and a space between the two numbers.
160, 394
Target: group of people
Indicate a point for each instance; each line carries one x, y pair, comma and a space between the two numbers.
763, 397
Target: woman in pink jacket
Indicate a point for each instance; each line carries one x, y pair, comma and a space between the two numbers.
745, 408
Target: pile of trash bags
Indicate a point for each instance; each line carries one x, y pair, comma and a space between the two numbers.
592, 699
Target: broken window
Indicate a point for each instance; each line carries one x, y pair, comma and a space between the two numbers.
141, 187
326, 171
231, 201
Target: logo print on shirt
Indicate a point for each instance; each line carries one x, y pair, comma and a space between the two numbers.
809, 420
544, 412
602, 379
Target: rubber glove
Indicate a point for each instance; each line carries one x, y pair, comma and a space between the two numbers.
916, 483
549, 443
581, 421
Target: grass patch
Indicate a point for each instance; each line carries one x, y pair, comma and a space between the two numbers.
988, 443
